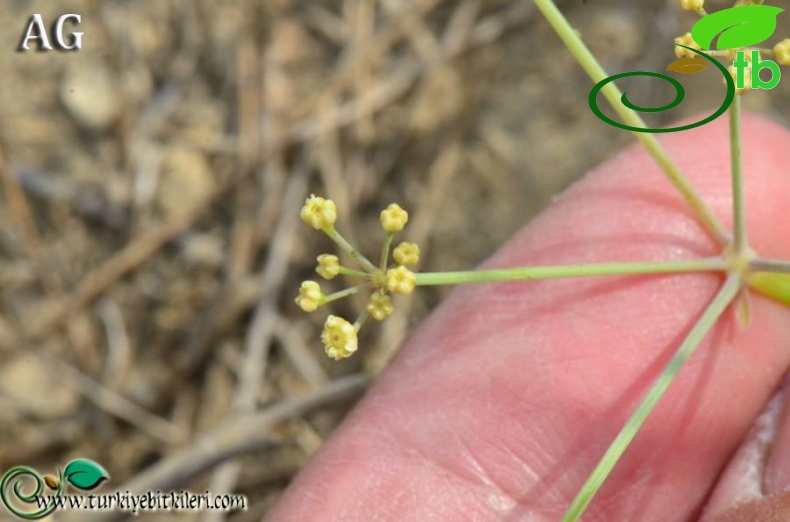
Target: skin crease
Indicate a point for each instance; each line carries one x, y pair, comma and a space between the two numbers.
504, 399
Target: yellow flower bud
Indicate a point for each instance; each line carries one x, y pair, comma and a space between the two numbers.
400, 280
339, 338
319, 213
692, 5
782, 51
309, 297
406, 254
688, 41
394, 218
328, 266
379, 306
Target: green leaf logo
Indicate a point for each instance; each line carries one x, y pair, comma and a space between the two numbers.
84, 474
739, 26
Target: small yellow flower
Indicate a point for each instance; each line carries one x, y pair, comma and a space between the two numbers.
400, 280
782, 51
379, 306
309, 297
688, 41
692, 5
406, 254
394, 218
319, 213
328, 266
339, 338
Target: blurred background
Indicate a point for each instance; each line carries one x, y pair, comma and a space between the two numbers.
150, 245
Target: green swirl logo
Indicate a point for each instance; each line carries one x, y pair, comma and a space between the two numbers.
680, 94
17, 475
15, 488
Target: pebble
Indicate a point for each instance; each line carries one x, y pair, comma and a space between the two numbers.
186, 181
29, 384
88, 93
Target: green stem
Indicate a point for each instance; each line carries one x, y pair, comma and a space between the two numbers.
738, 210
585, 58
770, 265
710, 264
350, 250
341, 294
361, 319
351, 272
385, 251
712, 313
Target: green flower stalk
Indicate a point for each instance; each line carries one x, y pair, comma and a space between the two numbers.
742, 269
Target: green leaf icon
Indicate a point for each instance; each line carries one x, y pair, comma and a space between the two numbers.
84, 474
740, 26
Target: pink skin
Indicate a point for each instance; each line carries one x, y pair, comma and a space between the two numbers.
503, 401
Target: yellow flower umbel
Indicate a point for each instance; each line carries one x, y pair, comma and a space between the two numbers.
688, 41
340, 336
692, 5
319, 213
406, 254
400, 280
310, 296
380, 306
394, 218
782, 51
328, 266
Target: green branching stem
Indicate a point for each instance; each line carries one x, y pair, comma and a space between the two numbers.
385, 251
740, 243
770, 265
710, 264
714, 310
353, 273
350, 250
585, 58
361, 319
341, 294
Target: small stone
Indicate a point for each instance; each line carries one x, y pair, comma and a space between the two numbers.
88, 93
204, 250
32, 388
186, 181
